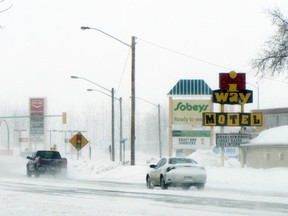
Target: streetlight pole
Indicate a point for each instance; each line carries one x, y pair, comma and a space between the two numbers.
132, 47
159, 124
19, 136
112, 112
50, 139
121, 120
8, 135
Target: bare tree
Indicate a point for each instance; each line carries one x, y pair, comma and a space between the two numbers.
272, 60
3, 10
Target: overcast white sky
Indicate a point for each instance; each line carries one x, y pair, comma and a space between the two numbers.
41, 46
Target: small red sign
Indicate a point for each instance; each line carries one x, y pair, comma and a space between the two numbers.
232, 81
37, 105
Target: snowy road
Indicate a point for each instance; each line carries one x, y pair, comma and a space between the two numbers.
73, 196
48, 196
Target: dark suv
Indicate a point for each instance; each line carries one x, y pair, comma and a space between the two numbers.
45, 161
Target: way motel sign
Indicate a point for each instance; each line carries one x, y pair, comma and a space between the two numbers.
231, 139
78, 141
232, 119
232, 89
227, 97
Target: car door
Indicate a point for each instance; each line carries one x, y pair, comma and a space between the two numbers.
158, 170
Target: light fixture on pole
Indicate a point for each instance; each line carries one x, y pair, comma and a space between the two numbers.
132, 47
112, 113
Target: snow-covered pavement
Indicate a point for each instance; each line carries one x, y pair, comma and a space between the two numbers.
80, 194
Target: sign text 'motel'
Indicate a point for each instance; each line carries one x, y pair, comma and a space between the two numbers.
232, 119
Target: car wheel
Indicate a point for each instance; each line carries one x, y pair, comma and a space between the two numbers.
186, 187
28, 173
149, 185
163, 185
37, 174
200, 186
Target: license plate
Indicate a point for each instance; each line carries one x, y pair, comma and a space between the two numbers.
187, 178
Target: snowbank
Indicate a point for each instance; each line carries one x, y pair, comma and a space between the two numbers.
230, 177
277, 135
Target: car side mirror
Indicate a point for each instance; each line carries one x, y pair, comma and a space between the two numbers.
153, 166
28, 157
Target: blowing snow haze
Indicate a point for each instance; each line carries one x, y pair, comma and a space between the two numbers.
42, 46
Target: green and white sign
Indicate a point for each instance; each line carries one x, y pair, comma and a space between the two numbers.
191, 139
189, 112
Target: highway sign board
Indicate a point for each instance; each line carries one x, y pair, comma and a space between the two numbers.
78, 141
231, 139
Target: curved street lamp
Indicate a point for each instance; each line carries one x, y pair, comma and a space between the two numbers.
121, 119
132, 47
112, 112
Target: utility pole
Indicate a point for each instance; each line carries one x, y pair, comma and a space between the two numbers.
113, 126
159, 132
132, 47
133, 101
121, 130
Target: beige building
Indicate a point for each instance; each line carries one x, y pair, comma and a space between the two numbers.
269, 149
272, 118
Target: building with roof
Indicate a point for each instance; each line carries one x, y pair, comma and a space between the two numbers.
188, 99
269, 149
272, 118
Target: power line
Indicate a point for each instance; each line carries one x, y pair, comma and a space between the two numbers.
204, 61
120, 81
185, 55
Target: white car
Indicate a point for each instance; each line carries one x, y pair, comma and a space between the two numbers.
176, 171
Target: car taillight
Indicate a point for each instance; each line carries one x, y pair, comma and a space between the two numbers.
39, 162
170, 168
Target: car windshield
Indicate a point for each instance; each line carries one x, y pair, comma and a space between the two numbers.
48, 155
181, 161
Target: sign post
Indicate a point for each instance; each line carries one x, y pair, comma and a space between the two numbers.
78, 141
37, 122
232, 92
231, 139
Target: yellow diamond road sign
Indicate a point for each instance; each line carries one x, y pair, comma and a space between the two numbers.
78, 141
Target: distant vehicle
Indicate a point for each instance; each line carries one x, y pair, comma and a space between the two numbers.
45, 161
176, 171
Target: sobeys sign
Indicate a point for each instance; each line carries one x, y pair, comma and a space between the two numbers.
189, 111
197, 107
